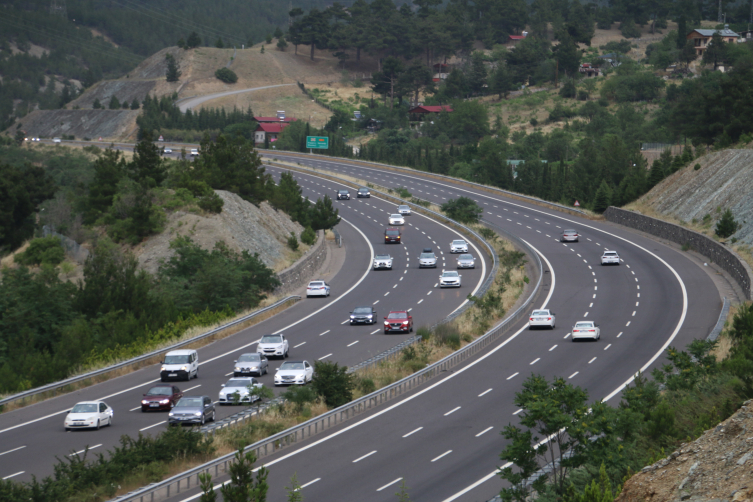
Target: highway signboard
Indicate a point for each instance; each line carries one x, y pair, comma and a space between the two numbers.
317, 142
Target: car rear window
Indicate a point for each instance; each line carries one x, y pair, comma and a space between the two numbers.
396, 216
569, 231
393, 232
540, 312
316, 284
610, 253
584, 325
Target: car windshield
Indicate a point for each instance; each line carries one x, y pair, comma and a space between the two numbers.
343, 191
362, 310
397, 315
427, 255
584, 325
363, 190
383, 257
189, 402
459, 243
291, 366
316, 284
450, 274
181, 359
238, 382
160, 391
85, 408
465, 257
403, 208
271, 339
395, 216
540, 312
393, 232
248, 358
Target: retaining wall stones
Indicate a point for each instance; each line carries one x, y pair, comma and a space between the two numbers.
717, 253
300, 272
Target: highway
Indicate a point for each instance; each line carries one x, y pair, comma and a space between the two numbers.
317, 329
443, 439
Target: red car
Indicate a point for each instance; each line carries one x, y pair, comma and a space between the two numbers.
161, 397
398, 320
392, 235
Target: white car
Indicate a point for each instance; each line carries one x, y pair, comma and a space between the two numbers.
317, 288
56, 140
397, 219
458, 246
88, 415
194, 152
466, 261
180, 364
610, 258
294, 372
449, 279
427, 259
167, 150
273, 346
543, 317
382, 261
240, 386
586, 329
404, 210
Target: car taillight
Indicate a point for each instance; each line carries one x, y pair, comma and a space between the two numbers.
591, 330
531, 318
548, 318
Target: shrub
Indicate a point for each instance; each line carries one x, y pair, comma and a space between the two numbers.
727, 225
226, 75
47, 250
211, 203
403, 192
308, 236
463, 209
366, 385
293, 242
333, 383
424, 333
697, 167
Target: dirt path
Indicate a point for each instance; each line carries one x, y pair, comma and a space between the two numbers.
192, 102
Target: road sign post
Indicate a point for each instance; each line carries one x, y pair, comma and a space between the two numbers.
318, 142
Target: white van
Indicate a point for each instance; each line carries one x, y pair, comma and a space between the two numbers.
180, 365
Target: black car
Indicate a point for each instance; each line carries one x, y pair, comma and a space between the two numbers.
363, 192
392, 235
343, 194
192, 410
363, 315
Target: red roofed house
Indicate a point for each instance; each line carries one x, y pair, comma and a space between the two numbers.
514, 39
268, 131
441, 71
417, 113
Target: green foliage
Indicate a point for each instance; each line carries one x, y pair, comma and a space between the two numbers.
402, 495
207, 488
333, 383
323, 215
308, 236
44, 250
226, 75
603, 197
726, 225
172, 72
293, 242
622, 47
114, 103
629, 29
22, 189
242, 486
294, 490
463, 209
635, 86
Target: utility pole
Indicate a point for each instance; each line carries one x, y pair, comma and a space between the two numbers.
57, 8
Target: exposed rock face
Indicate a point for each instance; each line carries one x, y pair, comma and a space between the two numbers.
79, 123
716, 467
241, 225
725, 180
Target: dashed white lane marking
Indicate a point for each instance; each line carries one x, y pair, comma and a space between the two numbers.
594, 297
452, 411
513, 375
571, 376
155, 425
535, 361
590, 305
427, 294
412, 432
192, 388
82, 451
419, 301
553, 347
592, 360
442, 455
353, 343
346, 320
14, 475
375, 302
518, 411
226, 374
484, 431
605, 348
309, 483
320, 334
628, 324
585, 315
639, 295
566, 335
619, 334
324, 357
485, 392
386, 293
393, 287
374, 332
134, 409
634, 313
367, 455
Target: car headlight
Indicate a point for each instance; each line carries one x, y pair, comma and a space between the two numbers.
170, 414
163, 369
405, 322
184, 368
164, 401
254, 367
91, 419
352, 317
198, 413
370, 316
237, 369
144, 401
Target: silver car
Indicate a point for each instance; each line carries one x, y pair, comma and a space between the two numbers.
382, 261
363, 315
458, 246
610, 258
404, 210
252, 363
542, 317
449, 279
427, 259
466, 261
569, 235
238, 390
586, 329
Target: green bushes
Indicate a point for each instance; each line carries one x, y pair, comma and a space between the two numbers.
226, 75
308, 236
726, 225
333, 383
44, 250
293, 242
463, 209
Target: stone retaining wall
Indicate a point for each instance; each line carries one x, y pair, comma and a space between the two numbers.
300, 272
717, 253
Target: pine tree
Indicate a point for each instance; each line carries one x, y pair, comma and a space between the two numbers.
242, 486
172, 73
135, 104
727, 225
219, 43
114, 103
656, 174
294, 490
193, 41
603, 197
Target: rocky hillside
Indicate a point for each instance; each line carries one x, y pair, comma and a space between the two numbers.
716, 467
724, 180
243, 227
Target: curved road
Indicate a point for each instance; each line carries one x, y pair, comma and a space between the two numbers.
192, 102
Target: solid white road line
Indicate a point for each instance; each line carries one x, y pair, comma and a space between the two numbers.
442, 455
82, 451
452, 411
485, 430
412, 432
485, 392
11, 451
367, 455
13, 475
155, 425
389, 484
353, 343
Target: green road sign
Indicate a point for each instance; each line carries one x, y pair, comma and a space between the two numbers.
317, 142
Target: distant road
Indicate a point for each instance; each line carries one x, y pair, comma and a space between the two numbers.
195, 101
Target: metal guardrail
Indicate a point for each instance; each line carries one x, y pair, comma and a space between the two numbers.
338, 237
435, 175
190, 478
63, 383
